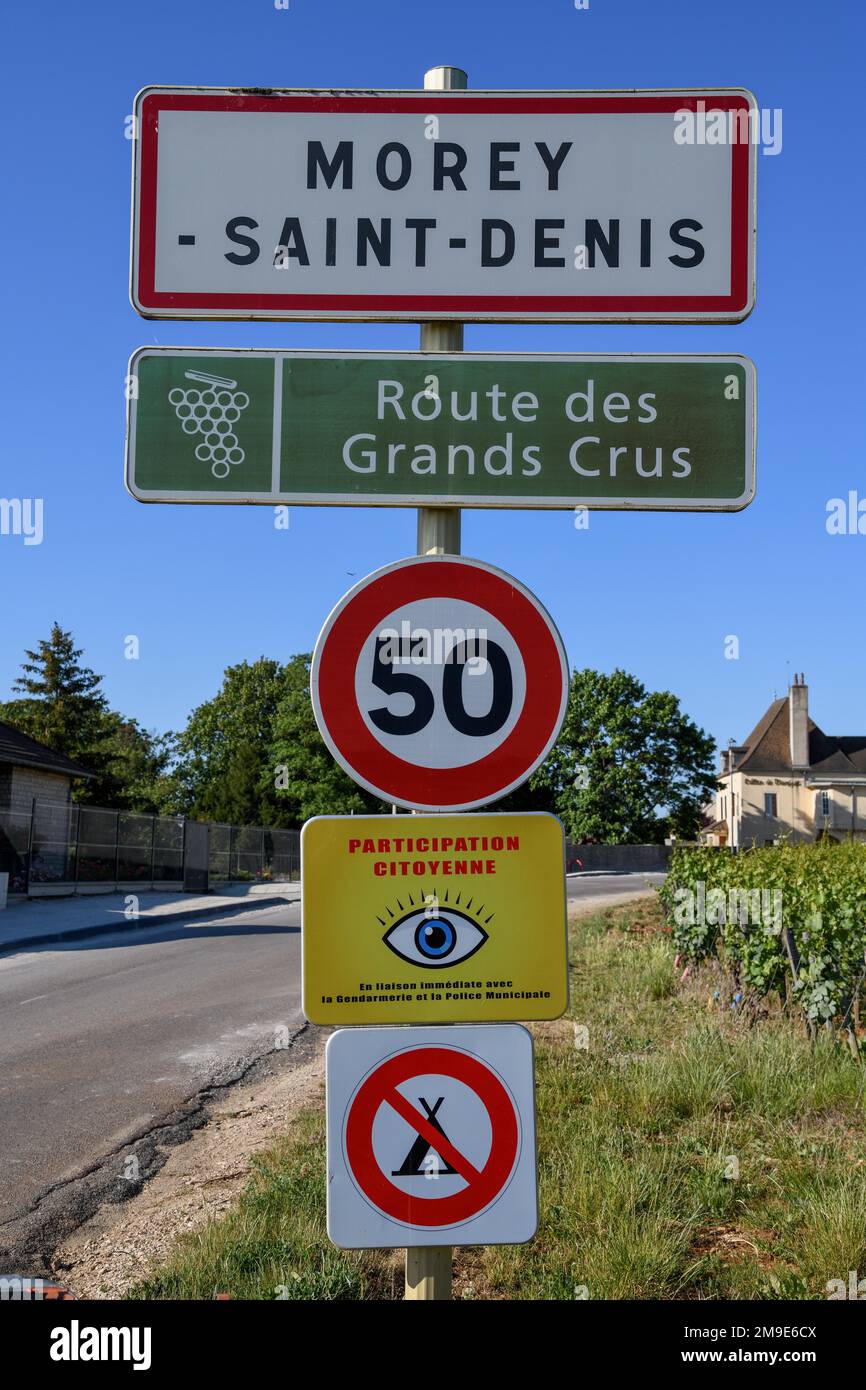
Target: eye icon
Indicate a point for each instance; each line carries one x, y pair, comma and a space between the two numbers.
436, 936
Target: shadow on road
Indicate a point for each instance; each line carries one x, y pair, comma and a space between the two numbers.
145, 934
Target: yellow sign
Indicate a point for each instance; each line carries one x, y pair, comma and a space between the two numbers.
433, 919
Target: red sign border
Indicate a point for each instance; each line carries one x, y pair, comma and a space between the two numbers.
341, 723
428, 1212
734, 306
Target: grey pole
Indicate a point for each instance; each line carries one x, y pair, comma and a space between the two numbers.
439, 527
428, 1267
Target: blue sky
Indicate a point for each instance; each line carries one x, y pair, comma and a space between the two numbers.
204, 587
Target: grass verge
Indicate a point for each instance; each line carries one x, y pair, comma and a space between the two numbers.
685, 1152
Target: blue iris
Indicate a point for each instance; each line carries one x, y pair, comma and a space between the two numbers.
435, 938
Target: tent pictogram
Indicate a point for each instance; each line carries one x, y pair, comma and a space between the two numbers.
416, 1164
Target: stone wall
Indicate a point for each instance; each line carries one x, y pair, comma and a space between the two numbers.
28, 782
622, 859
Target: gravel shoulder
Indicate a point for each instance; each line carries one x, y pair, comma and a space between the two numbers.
199, 1179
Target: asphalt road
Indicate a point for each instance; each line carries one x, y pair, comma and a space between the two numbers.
100, 1039
604, 890
104, 1042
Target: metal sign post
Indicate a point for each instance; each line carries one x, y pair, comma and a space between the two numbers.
664, 231
428, 1267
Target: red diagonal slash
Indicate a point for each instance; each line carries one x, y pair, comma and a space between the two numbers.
380, 1088
434, 1137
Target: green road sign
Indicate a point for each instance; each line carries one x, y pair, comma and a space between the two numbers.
419, 429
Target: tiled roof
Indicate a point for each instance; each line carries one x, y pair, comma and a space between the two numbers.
769, 748
768, 743
23, 751
854, 748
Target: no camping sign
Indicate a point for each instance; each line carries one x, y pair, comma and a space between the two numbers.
431, 1137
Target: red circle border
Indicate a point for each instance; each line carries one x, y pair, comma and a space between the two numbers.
361, 1159
392, 777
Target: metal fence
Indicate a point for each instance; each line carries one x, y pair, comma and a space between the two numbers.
50, 845
58, 846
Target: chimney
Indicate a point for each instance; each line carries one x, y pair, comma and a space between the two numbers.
798, 722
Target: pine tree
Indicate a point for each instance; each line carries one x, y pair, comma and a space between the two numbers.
62, 705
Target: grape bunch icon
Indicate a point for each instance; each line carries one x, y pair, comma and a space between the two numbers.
211, 409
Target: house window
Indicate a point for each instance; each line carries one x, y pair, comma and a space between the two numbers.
724, 815
825, 803
770, 804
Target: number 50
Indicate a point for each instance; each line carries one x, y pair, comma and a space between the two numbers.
393, 682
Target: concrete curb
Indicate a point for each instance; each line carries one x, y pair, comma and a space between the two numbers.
615, 873
153, 919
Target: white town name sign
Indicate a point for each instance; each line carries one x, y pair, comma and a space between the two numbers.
476, 205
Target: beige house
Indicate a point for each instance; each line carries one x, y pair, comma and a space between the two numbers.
789, 779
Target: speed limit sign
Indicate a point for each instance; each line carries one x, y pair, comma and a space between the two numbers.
439, 683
